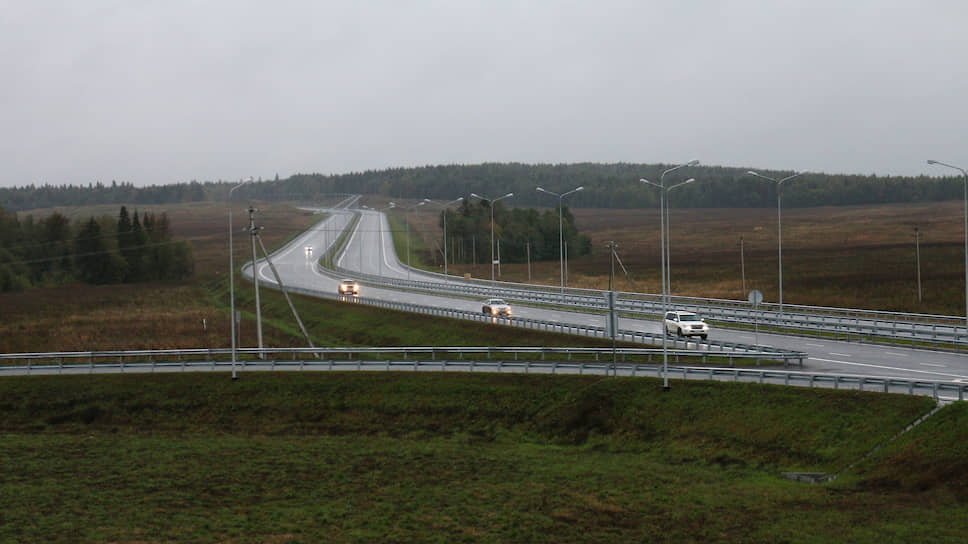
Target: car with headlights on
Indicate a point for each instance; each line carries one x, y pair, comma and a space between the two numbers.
349, 287
496, 307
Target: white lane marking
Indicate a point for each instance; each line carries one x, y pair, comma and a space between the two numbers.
896, 354
840, 354
934, 365
814, 345
849, 363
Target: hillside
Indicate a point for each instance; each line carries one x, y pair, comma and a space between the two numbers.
402, 457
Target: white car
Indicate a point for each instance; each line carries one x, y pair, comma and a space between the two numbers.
685, 324
496, 306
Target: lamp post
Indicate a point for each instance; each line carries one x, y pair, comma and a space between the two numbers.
965, 175
561, 239
779, 225
232, 280
444, 207
475, 195
664, 264
406, 219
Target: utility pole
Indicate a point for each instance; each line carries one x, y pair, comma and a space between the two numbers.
917, 250
254, 231
742, 264
612, 318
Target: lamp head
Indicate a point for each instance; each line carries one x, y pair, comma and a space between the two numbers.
932, 161
693, 162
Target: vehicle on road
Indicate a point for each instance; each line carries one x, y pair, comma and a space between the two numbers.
685, 324
349, 287
309, 251
496, 306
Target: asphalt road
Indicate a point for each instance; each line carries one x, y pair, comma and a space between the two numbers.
370, 249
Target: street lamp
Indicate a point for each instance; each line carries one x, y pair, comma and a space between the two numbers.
779, 225
444, 206
664, 258
232, 279
561, 242
965, 175
475, 195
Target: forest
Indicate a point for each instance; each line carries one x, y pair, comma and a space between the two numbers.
606, 186
524, 234
98, 250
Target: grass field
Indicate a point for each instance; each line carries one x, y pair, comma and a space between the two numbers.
390, 457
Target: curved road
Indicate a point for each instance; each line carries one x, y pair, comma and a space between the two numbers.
370, 250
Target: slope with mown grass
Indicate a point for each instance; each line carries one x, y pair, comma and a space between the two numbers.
377, 456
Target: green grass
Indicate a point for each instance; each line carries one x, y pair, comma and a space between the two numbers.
402, 457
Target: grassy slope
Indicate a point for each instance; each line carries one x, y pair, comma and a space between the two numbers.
346, 457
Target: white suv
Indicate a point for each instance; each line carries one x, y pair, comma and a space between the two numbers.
685, 324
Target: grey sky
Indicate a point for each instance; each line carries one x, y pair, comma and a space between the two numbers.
169, 91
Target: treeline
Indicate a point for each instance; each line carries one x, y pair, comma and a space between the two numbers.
606, 186
518, 233
618, 186
98, 250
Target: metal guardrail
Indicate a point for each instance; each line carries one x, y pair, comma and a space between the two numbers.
701, 346
839, 323
468, 359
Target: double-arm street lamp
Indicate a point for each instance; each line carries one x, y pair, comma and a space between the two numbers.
779, 225
444, 207
475, 195
561, 242
666, 271
232, 280
964, 174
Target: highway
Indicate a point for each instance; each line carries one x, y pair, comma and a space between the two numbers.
369, 250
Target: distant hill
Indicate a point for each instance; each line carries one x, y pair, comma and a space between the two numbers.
606, 186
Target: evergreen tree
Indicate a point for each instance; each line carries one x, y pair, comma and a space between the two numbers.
94, 263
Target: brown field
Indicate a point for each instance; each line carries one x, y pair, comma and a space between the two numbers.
133, 316
838, 256
853, 256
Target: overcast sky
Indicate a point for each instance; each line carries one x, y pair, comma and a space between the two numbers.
154, 92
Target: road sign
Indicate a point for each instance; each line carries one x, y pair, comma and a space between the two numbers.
755, 297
